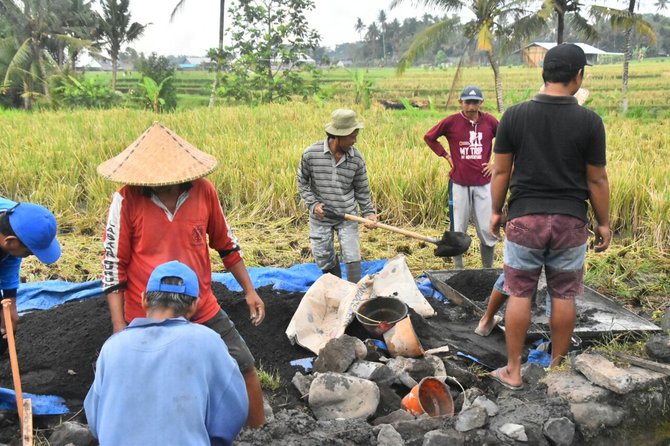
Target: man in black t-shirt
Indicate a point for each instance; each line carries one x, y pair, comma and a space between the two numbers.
557, 149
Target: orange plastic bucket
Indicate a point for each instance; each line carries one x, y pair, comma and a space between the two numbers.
430, 396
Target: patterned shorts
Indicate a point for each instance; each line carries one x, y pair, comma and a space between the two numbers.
555, 241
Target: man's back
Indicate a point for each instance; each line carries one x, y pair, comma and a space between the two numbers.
552, 139
166, 382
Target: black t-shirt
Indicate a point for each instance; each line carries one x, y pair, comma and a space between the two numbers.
552, 139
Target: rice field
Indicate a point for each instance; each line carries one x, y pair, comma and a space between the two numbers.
51, 158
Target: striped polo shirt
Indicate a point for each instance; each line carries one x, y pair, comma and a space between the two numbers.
342, 186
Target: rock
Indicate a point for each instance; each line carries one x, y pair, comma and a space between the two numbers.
532, 373
604, 373
302, 383
443, 437
74, 433
490, 407
410, 370
464, 376
658, 347
393, 417
559, 431
573, 387
439, 371
514, 431
469, 419
338, 354
389, 400
364, 369
593, 416
465, 399
334, 395
267, 409
388, 436
413, 431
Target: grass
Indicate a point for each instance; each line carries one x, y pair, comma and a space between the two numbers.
269, 380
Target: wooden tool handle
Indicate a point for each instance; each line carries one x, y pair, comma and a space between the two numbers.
391, 228
6, 303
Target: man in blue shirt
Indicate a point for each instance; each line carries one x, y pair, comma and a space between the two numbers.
164, 380
25, 229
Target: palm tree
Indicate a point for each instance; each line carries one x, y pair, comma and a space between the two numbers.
222, 8
359, 27
382, 20
115, 29
627, 20
492, 18
576, 19
37, 28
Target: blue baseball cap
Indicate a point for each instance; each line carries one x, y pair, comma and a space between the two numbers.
189, 286
36, 227
472, 92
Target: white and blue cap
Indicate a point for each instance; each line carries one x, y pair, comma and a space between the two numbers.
472, 92
189, 285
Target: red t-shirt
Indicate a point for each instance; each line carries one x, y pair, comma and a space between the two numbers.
470, 145
140, 236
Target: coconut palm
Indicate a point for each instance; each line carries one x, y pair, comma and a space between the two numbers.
492, 19
570, 11
359, 27
222, 8
38, 33
628, 21
115, 29
382, 21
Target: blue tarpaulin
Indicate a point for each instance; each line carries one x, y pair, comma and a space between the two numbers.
41, 404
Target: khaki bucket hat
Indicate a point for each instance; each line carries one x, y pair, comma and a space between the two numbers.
343, 122
159, 157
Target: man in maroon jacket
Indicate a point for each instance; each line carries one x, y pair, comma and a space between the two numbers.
470, 136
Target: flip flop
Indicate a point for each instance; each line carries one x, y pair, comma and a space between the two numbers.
496, 376
496, 320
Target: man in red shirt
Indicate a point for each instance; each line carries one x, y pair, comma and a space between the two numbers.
166, 211
470, 136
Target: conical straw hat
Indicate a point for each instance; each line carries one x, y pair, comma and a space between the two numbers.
158, 158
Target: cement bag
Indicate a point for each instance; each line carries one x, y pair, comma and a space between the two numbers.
326, 310
395, 280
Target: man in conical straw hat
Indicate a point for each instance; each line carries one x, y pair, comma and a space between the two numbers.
167, 211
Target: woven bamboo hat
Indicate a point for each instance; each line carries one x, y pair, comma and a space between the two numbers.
159, 157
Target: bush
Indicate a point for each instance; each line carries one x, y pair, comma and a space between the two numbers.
86, 92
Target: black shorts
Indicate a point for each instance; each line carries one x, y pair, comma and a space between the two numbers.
237, 348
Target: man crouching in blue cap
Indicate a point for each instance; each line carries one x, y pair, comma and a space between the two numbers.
25, 229
164, 380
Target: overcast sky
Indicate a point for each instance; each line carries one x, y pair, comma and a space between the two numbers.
196, 28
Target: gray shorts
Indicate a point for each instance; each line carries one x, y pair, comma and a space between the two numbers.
322, 237
237, 348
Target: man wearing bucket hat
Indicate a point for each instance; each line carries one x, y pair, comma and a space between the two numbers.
25, 229
552, 153
165, 380
332, 180
168, 211
470, 136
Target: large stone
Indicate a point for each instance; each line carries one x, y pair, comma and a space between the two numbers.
413, 431
465, 399
573, 387
389, 400
302, 383
665, 321
490, 407
460, 373
393, 417
594, 416
559, 431
443, 437
388, 436
532, 373
605, 373
658, 347
333, 395
338, 354
364, 369
514, 431
74, 433
472, 418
